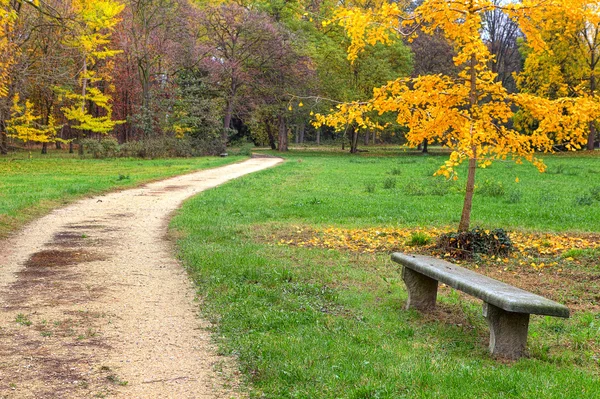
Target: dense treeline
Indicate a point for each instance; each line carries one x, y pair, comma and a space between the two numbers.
186, 77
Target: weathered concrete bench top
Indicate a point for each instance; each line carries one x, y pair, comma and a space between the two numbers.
506, 308
497, 293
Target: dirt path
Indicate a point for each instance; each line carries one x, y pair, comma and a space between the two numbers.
92, 303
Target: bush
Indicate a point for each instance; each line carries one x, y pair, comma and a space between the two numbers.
110, 147
370, 187
92, 146
463, 245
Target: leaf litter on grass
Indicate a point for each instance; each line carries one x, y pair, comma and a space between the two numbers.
561, 266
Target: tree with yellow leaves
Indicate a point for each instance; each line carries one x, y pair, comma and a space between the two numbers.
94, 22
569, 66
468, 113
25, 125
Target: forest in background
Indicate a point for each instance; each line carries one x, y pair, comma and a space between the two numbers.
187, 77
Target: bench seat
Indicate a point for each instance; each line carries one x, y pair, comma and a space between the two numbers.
505, 307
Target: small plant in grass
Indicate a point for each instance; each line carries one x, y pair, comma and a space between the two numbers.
123, 177
23, 320
418, 239
514, 197
463, 245
557, 170
595, 193
370, 187
389, 183
414, 188
396, 171
491, 188
583, 200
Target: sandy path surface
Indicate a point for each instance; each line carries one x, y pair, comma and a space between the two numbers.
93, 304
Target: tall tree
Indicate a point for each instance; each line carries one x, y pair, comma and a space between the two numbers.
469, 113
92, 30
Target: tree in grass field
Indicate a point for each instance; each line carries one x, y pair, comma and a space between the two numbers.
94, 22
468, 113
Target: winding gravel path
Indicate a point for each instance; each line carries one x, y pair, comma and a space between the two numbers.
93, 304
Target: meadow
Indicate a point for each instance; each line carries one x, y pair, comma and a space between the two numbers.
307, 318
30, 187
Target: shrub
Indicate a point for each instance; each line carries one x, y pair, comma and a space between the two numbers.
110, 147
92, 146
370, 187
463, 245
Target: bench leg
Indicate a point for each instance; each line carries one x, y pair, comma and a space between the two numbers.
422, 290
508, 332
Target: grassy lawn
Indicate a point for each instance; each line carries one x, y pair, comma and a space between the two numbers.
30, 187
327, 322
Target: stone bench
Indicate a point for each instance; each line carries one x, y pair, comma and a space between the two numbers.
505, 307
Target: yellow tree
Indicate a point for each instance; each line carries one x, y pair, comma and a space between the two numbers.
469, 113
94, 23
569, 65
25, 125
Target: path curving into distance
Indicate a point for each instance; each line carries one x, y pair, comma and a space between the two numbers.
93, 303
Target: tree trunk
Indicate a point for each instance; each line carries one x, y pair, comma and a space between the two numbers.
297, 135
353, 140
283, 137
319, 136
425, 143
44, 148
3, 138
592, 134
270, 135
302, 131
227, 121
71, 147
366, 137
465, 219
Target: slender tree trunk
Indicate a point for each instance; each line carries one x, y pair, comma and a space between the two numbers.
270, 135
319, 136
367, 137
3, 138
465, 219
374, 135
297, 135
71, 147
283, 137
592, 134
227, 121
353, 140
44, 148
425, 143
302, 131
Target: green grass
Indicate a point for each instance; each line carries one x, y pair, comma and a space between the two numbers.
30, 187
312, 323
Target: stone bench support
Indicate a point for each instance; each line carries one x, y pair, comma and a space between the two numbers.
422, 290
506, 308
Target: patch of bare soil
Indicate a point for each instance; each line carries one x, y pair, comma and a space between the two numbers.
93, 304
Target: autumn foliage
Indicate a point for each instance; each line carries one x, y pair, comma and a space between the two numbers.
469, 113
